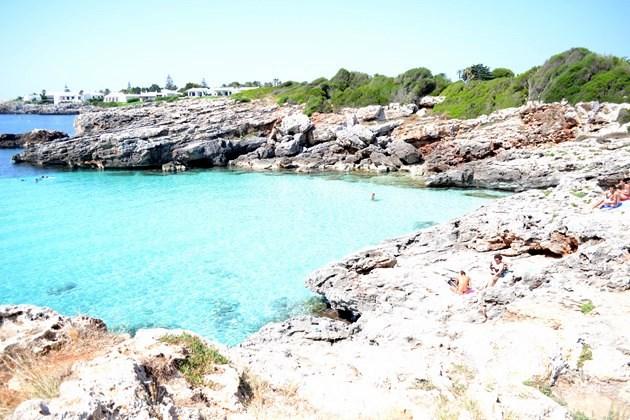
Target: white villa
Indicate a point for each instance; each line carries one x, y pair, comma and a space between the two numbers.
75, 97
119, 97
215, 91
144, 96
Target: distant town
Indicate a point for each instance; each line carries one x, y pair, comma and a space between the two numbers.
139, 94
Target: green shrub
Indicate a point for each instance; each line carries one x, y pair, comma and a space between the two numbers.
200, 359
587, 307
502, 72
585, 355
469, 100
575, 75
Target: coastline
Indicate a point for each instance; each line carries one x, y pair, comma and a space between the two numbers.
405, 346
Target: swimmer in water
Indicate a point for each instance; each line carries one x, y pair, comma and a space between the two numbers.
373, 197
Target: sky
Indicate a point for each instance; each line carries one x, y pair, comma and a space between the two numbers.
93, 45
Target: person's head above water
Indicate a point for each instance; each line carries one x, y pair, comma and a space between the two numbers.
498, 258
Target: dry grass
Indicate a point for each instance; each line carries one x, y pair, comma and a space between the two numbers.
264, 402
25, 375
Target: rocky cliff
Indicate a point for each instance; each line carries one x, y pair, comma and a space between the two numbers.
533, 146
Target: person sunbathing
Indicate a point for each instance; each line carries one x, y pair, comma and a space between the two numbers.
461, 284
623, 189
610, 201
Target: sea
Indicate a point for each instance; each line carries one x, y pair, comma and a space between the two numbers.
219, 252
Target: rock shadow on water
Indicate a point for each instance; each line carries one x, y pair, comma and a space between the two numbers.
423, 224
483, 194
134, 328
225, 314
64, 288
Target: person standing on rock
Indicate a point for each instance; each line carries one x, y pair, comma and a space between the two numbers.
498, 269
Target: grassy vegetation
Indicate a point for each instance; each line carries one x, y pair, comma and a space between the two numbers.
540, 386
575, 75
587, 307
40, 375
471, 99
585, 355
354, 89
201, 358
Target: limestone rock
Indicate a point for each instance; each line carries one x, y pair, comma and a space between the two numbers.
407, 153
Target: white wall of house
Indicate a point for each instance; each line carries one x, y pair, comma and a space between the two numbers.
116, 97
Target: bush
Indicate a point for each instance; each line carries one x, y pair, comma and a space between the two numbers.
502, 72
575, 75
200, 359
469, 100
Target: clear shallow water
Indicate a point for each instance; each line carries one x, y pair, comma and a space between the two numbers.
218, 252
21, 123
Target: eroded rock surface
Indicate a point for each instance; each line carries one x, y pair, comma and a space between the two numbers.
410, 344
532, 146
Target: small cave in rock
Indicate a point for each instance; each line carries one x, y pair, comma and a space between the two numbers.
348, 315
323, 308
545, 252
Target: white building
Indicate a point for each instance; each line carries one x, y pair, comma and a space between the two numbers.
196, 92
32, 97
119, 97
216, 91
73, 97
144, 96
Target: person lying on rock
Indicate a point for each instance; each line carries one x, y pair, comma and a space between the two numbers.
498, 269
611, 200
461, 284
624, 190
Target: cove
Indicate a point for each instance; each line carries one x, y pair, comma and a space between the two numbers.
218, 252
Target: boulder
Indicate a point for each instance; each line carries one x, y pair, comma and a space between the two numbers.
355, 137
294, 124
370, 113
290, 147
407, 153
431, 101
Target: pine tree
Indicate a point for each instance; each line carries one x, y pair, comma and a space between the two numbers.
169, 83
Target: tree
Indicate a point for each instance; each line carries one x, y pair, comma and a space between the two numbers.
275, 82
43, 94
414, 84
475, 72
154, 88
189, 85
203, 83
502, 72
169, 83
65, 88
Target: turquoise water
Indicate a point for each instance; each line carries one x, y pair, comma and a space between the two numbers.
218, 252
21, 123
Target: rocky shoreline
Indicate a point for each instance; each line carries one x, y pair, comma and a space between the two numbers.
533, 146
15, 141
13, 107
549, 341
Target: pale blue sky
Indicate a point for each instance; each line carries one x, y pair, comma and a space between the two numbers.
104, 44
